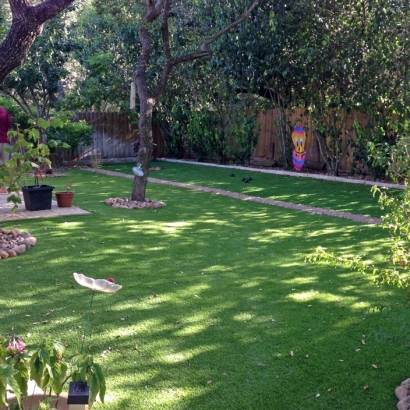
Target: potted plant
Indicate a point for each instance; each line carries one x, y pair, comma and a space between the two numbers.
65, 198
27, 153
37, 197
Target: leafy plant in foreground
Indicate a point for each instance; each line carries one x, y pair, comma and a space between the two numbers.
46, 364
396, 219
27, 152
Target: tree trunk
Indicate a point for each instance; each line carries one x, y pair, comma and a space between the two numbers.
145, 150
147, 97
27, 24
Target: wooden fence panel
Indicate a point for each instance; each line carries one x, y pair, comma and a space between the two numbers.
268, 146
114, 137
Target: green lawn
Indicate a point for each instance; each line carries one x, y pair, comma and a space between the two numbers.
218, 308
339, 196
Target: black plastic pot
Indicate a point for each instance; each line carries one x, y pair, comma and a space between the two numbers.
37, 197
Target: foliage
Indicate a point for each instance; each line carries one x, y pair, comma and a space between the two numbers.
20, 118
37, 86
27, 152
329, 128
396, 218
242, 137
107, 46
71, 132
204, 135
47, 365
44, 363
84, 369
379, 129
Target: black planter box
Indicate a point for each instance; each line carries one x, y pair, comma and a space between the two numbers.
78, 393
37, 198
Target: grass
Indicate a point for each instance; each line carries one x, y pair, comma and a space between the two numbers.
218, 308
339, 196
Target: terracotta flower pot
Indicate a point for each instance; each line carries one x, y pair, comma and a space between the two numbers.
64, 199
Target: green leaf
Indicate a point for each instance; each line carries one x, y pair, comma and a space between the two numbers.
2, 393
36, 368
12, 382
44, 355
94, 384
22, 376
6, 371
97, 370
42, 123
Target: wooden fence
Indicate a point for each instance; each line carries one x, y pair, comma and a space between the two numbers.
114, 137
268, 147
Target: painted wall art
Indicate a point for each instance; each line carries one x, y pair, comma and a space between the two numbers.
299, 151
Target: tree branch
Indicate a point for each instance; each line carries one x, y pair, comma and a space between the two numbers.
27, 24
204, 50
206, 43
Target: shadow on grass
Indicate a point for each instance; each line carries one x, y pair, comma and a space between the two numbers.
218, 308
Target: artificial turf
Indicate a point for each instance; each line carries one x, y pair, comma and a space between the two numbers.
339, 196
219, 309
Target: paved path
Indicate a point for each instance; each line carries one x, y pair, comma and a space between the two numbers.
7, 215
288, 205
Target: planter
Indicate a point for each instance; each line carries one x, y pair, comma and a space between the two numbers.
64, 199
37, 197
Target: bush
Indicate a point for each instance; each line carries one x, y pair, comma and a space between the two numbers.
73, 133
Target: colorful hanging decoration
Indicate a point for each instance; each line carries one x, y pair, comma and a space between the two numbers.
299, 152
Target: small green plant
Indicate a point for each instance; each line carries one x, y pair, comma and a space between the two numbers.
27, 152
396, 159
46, 364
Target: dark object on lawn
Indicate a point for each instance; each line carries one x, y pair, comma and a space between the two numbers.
232, 175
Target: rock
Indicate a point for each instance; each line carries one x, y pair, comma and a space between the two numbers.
27, 244
19, 249
4, 255
407, 381
14, 242
404, 404
16, 232
32, 240
126, 203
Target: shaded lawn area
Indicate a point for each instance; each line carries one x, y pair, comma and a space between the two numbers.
338, 196
218, 308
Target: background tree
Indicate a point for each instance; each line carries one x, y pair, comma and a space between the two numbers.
107, 46
26, 24
37, 86
150, 93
